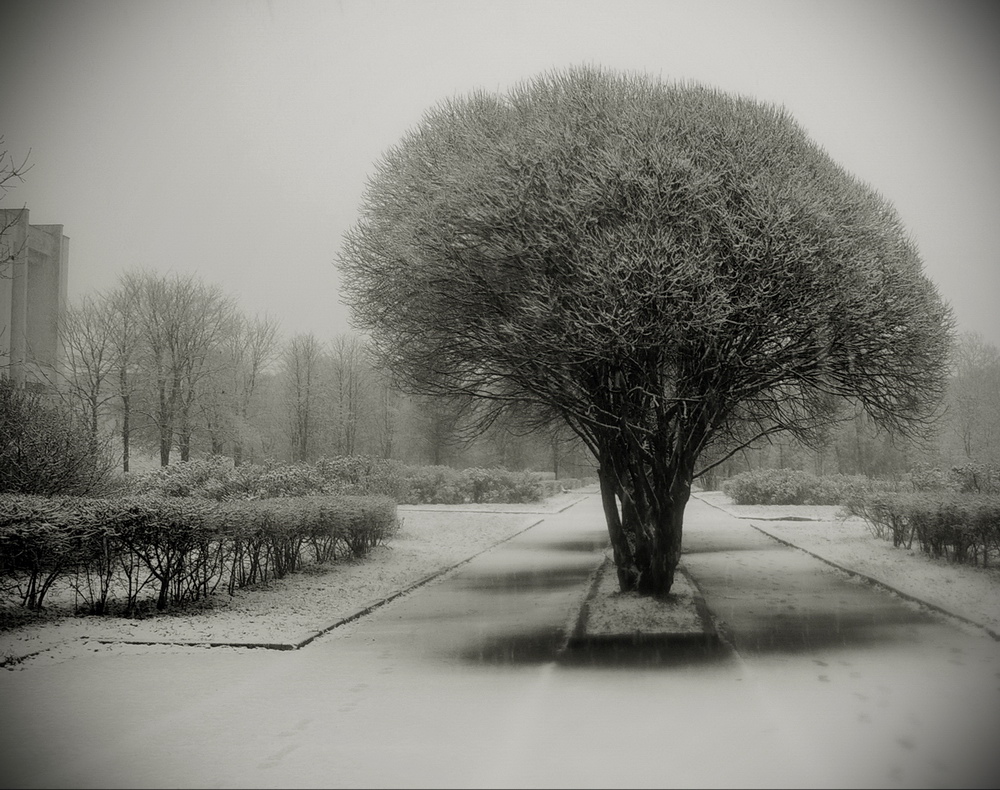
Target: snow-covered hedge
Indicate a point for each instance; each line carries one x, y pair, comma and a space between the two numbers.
442, 485
961, 527
795, 487
216, 478
117, 552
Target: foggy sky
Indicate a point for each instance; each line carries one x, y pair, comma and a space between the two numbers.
233, 139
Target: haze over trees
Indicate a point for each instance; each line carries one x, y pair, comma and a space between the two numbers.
968, 432
671, 272
171, 366
974, 399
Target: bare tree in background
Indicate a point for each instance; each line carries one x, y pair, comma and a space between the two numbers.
975, 397
348, 386
122, 305
252, 347
301, 363
207, 313
181, 320
11, 174
87, 335
667, 269
235, 365
437, 425
385, 412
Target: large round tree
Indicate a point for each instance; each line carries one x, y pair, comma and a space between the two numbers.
666, 268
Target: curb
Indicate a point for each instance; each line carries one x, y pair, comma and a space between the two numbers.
578, 636
312, 635
863, 576
885, 585
543, 513
578, 629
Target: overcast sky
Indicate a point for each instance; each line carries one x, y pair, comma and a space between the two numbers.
233, 139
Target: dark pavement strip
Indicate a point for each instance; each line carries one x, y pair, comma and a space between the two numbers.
759, 524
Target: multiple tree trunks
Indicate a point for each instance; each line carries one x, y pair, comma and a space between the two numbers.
646, 533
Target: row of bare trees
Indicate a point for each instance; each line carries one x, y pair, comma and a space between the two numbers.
173, 364
974, 400
336, 402
170, 365
968, 429
169, 360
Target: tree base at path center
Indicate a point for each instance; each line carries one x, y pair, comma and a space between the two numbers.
609, 615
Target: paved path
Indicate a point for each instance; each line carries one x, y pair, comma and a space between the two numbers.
880, 686
465, 683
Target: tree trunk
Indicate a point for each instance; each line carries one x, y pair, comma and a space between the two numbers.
94, 418
166, 439
165, 418
645, 524
126, 412
620, 545
125, 436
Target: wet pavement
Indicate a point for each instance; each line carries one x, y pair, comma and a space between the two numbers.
468, 682
898, 692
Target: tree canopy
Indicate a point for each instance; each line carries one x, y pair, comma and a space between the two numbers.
665, 267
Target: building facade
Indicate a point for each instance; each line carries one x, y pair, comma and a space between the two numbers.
34, 264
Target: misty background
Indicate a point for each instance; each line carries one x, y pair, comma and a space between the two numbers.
231, 142
234, 139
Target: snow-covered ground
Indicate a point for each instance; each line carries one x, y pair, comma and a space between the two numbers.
431, 539
435, 538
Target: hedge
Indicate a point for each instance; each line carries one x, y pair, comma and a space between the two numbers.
447, 486
216, 478
795, 487
963, 528
424, 485
113, 551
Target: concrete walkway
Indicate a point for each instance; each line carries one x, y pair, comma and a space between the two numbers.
897, 691
468, 682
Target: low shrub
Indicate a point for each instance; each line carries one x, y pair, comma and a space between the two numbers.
927, 478
37, 546
795, 487
886, 513
975, 478
216, 478
553, 487
45, 448
499, 485
968, 478
426, 485
442, 485
179, 549
964, 528
361, 475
